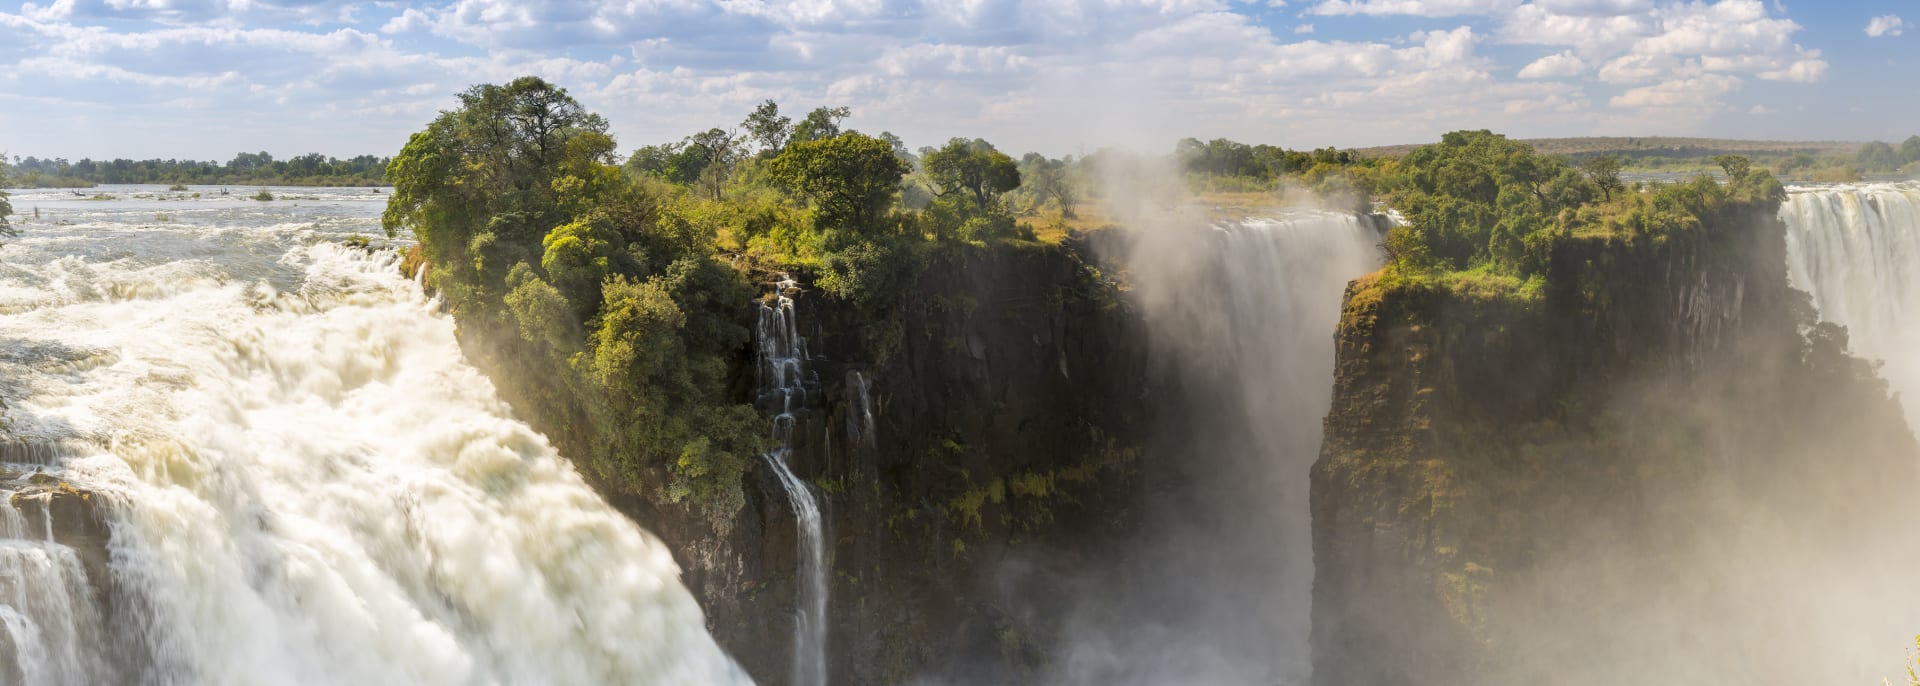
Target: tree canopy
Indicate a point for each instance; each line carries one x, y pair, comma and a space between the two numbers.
851, 179
617, 317
972, 167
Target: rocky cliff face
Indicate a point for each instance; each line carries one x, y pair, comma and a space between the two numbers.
971, 447
1619, 481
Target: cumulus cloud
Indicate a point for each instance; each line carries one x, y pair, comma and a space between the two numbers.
1555, 66
1422, 8
1695, 93
1045, 74
1886, 25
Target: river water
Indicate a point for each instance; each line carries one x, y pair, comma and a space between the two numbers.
305, 481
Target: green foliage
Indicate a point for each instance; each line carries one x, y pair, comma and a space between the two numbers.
623, 317
260, 168
767, 127
851, 179
821, 123
6, 208
263, 196
1482, 205
973, 168
1604, 172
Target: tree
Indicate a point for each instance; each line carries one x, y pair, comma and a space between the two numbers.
851, 179
1910, 149
1604, 171
1878, 156
972, 167
768, 128
822, 122
6, 208
719, 151
1736, 166
1054, 179
478, 186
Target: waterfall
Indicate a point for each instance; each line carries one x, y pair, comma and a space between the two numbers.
1221, 589
305, 481
784, 389
860, 410
49, 617
1856, 249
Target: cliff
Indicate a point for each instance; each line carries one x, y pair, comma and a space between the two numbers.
972, 444
1655, 469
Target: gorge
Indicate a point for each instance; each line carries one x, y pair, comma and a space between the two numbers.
573, 424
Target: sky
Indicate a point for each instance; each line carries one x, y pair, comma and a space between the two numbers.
206, 79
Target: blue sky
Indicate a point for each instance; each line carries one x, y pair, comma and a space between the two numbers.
209, 78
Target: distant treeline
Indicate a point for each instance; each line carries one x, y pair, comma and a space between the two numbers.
1793, 160
245, 169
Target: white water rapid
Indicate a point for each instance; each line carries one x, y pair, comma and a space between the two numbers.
305, 481
1856, 249
785, 388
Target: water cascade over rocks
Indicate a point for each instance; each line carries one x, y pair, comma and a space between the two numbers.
785, 388
1856, 249
1221, 591
304, 480
51, 626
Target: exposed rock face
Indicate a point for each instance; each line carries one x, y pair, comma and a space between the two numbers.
1000, 458
1007, 395
1652, 474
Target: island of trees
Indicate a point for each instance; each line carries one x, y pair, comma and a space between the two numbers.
245, 169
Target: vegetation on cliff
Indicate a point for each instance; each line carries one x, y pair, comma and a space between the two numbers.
1484, 214
624, 318
615, 293
1548, 390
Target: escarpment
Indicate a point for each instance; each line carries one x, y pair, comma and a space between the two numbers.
1656, 466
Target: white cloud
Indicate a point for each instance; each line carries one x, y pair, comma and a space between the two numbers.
408, 21
1422, 8
1886, 25
1696, 94
1760, 109
1556, 66
1028, 73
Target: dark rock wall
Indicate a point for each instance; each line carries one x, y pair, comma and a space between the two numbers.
1614, 483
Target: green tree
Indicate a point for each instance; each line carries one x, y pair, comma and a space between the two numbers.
851, 179
1878, 156
822, 122
1055, 179
721, 152
1604, 172
767, 127
1736, 166
6, 208
1910, 149
974, 168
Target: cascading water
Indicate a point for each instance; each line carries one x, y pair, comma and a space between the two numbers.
305, 481
785, 388
50, 618
860, 411
1856, 249
1222, 589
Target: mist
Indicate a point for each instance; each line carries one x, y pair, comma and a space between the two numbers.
1240, 312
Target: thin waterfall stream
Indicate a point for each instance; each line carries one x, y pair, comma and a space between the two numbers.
784, 389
